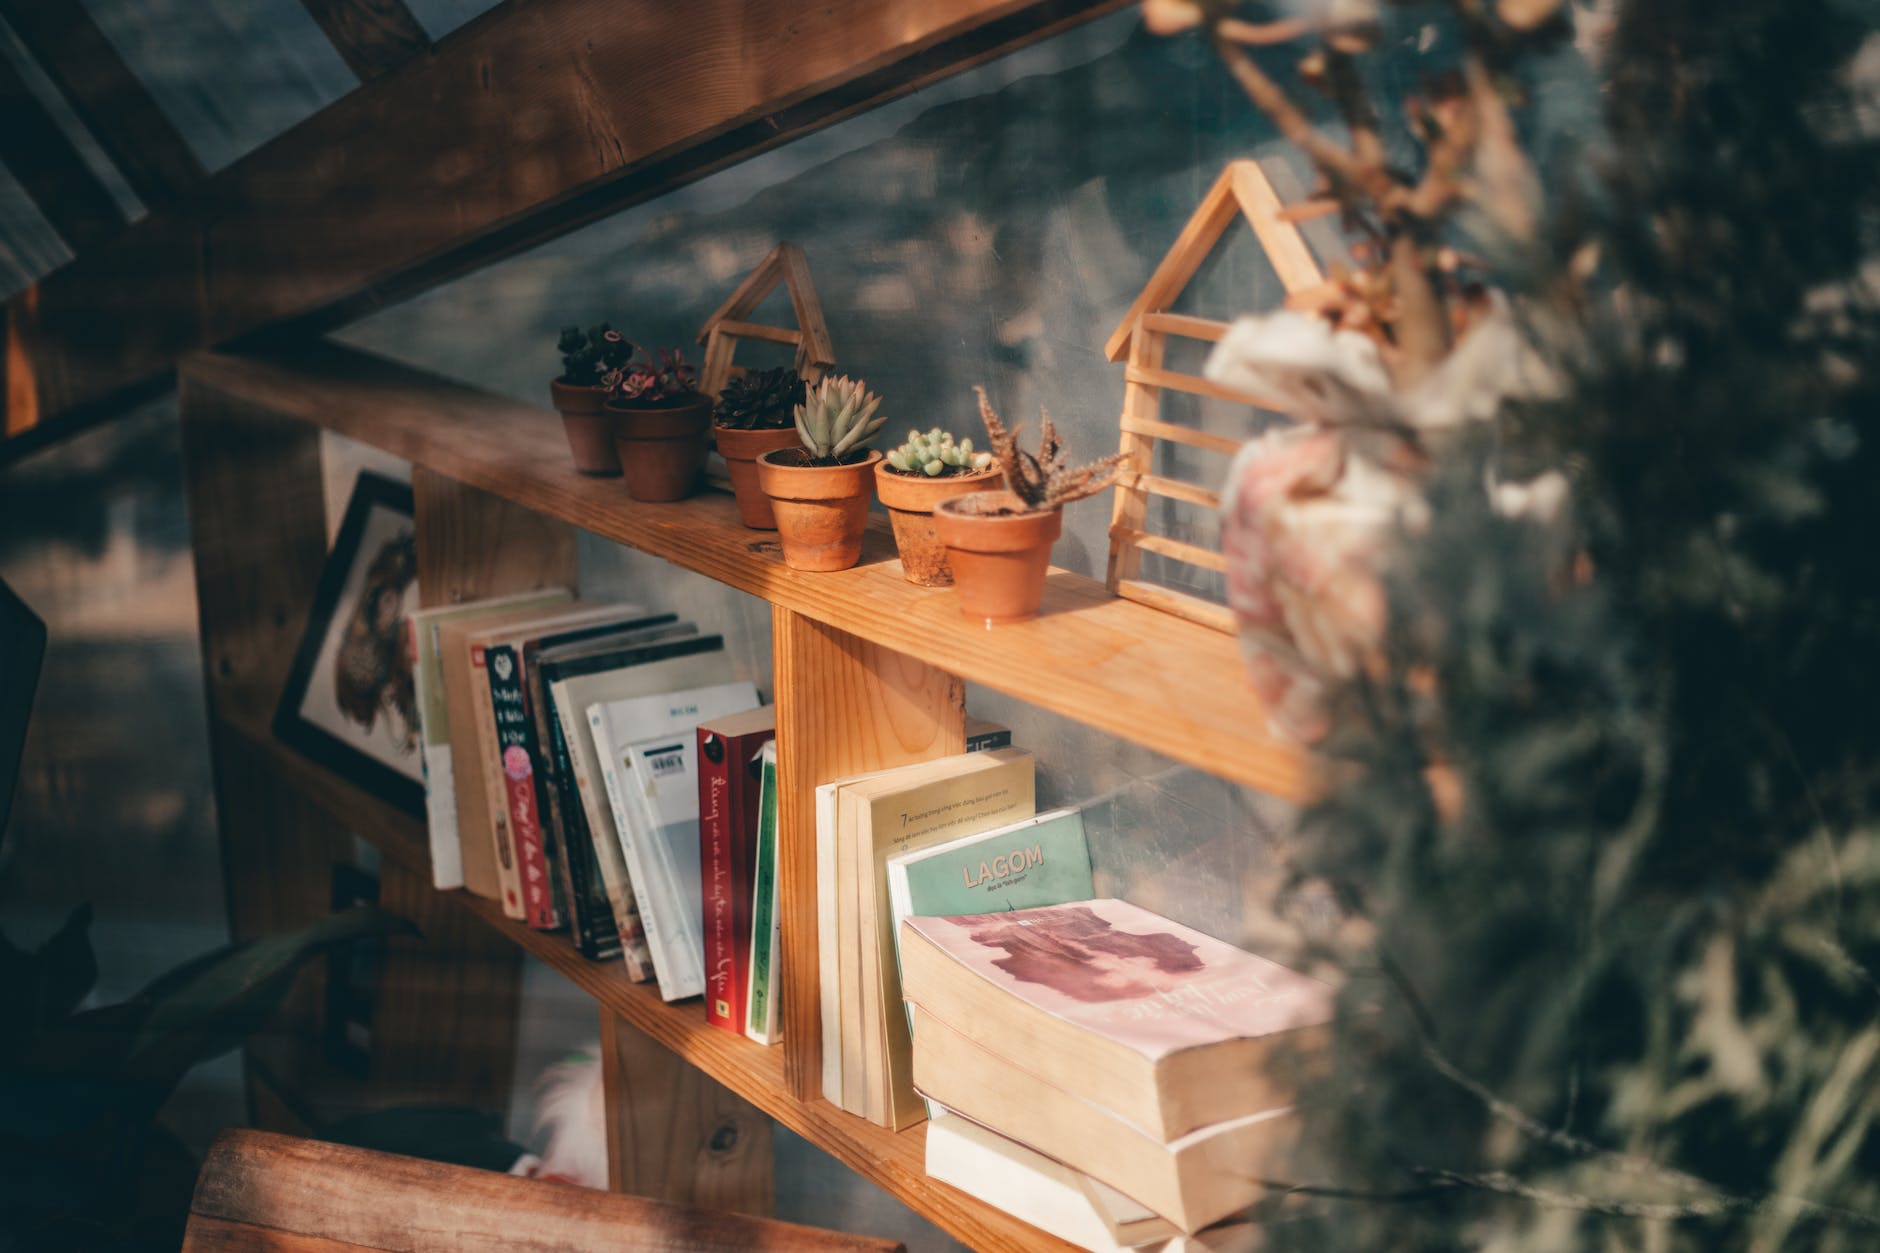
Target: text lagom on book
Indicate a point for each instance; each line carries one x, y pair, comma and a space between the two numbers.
1005, 866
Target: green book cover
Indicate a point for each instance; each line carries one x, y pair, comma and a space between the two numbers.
1042, 860
761, 1021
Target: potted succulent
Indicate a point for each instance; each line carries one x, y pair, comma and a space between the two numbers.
915, 477
581, 400
820, 488
660, 422
999, 542
756, 413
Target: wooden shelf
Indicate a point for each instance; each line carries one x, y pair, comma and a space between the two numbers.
1146, 676
893, 1160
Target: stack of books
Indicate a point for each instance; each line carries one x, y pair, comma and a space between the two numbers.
600, 768
1114, 1044
955, 833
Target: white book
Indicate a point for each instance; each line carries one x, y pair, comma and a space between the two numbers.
647, 750
427, 677
1055, 1198
829, 979
685, 667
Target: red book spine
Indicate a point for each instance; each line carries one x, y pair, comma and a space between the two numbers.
727, 806
516, 738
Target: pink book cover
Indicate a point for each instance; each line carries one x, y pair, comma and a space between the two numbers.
1131, 976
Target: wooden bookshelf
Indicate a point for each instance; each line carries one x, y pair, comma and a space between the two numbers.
869, 673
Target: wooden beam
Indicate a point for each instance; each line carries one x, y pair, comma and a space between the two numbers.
107, 97
519, 128
32, 146
373, 37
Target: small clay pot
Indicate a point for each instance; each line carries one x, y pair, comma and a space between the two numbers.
910, 499
590, 430
821, 511
662, 446
741, 449
998, 561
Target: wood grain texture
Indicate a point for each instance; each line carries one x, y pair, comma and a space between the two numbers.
361, 1199
373, 37
107, 97
473, 545
1169, 685
217, 1235
845, 706
518, 128
37, 153
676, 1134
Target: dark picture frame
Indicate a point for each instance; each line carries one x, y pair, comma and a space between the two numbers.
349, 691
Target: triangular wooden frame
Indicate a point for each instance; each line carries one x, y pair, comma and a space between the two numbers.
1241, 193
786, 264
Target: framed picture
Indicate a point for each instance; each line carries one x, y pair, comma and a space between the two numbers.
350, 703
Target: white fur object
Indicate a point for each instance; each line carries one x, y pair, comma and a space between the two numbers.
571, 1119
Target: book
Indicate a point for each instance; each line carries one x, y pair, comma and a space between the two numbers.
889, 813
1041, 860
487, 758
647, 747
575, 684
1032, 1187
1193, 1181
520, 756
476, 847
427, 676
761, 1000
980, 736
730, 780
1168, 1029
591, 922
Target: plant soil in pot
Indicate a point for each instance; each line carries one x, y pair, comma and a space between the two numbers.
755, 415
821, 511
914, 478
998, 552
819, 490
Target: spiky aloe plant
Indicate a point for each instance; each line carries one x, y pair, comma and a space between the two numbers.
837, 420
1044, 481
936, 453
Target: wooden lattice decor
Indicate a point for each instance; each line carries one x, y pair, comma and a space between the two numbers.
786, 264
1241, 192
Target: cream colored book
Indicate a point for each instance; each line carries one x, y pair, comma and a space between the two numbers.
900, 811
1193, 1181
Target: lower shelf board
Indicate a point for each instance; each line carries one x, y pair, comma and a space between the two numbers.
896, 1161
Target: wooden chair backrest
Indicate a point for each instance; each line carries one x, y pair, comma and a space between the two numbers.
260, 1191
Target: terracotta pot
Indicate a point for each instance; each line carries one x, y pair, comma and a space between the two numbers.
741, 449
662, 446
910, 499
998, 562
590, 430
821, 510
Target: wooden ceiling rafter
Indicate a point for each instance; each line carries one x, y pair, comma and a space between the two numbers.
378, 196
107, 97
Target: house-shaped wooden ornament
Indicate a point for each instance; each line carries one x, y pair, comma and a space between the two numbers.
786, 264
1242, 192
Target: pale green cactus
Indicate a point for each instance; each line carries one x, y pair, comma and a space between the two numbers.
836, 418
935, 453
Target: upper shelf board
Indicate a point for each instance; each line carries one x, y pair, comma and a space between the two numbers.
1148, 677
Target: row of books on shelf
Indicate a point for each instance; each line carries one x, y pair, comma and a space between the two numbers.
1096, 1069
1102, 1072
600, 768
